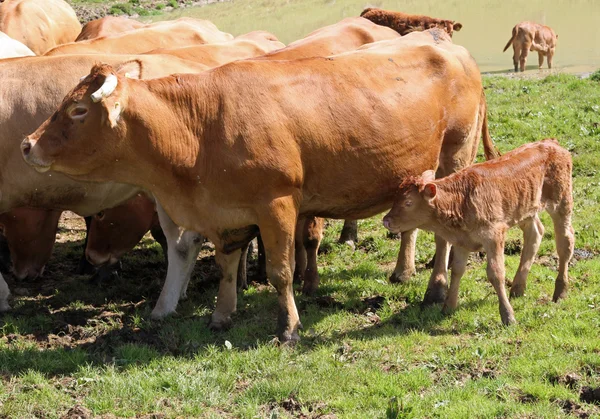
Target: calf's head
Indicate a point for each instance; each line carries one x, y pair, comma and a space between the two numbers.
413, 204
84, 135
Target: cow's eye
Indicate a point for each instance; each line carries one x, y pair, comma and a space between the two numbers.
408, 204
100, 216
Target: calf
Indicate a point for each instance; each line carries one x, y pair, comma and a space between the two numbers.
532, 36
473, 208
404, 23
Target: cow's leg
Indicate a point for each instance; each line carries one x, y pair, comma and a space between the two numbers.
533, 231
242, 272
4, 294
496, 275
459, 265
227, 296
183, 249
405, 266
550, 56
436, 289
565, 243
524, 52
540, 59
349, 233
262, 261
277, 224
313, 234
301, 256
85, 267
516, 54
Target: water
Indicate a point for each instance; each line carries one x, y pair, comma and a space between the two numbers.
487, 24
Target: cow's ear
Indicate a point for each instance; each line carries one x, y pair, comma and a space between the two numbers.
428, 176
131, 69
457, 26
429, 191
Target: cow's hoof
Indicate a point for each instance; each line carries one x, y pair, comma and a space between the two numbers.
219, 323
507, 316
517, 290
448, 309
160, 314
288, 338
403, 278
559, 295
434, 296
351, 244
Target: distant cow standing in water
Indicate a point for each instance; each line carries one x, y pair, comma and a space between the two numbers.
474, 208
530, 36
404, 23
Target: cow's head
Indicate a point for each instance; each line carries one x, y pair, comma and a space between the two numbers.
85, 133
413, 204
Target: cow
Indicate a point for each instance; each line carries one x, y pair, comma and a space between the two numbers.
11, 48
249, 45
255, 144
531, 36
168, 34
106, 26
404, 23
32, 87
30, 235
473, 209
39, 24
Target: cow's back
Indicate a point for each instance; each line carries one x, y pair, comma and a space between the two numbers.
39, 24
106, 26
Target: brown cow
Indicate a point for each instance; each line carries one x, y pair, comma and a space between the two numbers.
404, 23
474, 208
255, 144
39, 24
167, 34
531, 36
30, 234
106, 26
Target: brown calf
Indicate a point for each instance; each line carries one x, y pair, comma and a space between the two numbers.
404, 23
532, 36
474, 208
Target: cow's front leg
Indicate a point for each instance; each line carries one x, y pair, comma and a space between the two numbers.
4, 294
183, 248
277, 224
436, 289
405, 266
227, 296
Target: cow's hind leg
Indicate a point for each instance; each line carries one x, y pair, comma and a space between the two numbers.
349, 233
183, 249
459, 265
565, 243
533, 231
496, 275
227, 295
524, 52
516, 55
277, 225
405, 266
4, 294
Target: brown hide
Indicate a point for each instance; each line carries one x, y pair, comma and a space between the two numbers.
30, 233
168, 34
39, 24
106, 26
531, 36
404, 23
257, 142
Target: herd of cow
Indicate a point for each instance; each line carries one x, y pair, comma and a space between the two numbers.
186, 131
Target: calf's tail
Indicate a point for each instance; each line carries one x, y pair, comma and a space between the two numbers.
512, 38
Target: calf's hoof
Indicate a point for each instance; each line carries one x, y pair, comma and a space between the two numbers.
434, 296
508, 317
219, 323
517, 290
403, 278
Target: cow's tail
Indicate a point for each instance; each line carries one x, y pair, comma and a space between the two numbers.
512, 38
489, 149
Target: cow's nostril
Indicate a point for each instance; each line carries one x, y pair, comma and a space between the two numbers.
26, 147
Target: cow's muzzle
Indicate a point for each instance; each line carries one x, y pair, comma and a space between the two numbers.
28, 151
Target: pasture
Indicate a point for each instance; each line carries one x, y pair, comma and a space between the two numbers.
368, 348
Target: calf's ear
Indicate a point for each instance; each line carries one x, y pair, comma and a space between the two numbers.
429, 191
457, 26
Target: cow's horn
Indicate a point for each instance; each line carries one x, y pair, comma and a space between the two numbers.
109, 86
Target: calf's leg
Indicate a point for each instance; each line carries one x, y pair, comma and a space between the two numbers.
524, 52
227, 296
565, 243
405, 266
459, 265
436, 289
496, 275
533, 231
4, 294
516, 54
183, 248
540, 59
